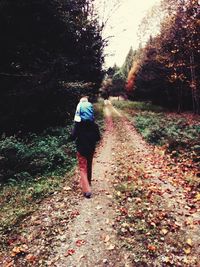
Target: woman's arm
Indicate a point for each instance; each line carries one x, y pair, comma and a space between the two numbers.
74, 131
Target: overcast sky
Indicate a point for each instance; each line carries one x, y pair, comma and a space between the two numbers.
123, 26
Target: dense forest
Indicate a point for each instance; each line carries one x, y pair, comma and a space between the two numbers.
143, 211
165, 69
51, 52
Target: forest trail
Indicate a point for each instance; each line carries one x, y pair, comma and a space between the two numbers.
68, 229
71, 231
91, 237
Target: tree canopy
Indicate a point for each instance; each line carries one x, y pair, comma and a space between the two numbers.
166, 70
50, 51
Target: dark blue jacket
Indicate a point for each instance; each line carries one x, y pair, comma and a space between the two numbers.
86, 134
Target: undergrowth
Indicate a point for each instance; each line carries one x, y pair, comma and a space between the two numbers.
160, 129
174, 132
32, 167
136, 106
99, 115
23, 158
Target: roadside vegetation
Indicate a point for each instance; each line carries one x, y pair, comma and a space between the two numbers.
33, 167
133, 106
177, 134
41, 84
99, 114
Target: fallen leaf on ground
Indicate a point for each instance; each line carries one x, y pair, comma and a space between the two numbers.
166, 259
81, 257
74, 213
9, 264
18, 250
67, 188
107, 238
107, 221
38, 222
164, 231
118, 193
197, 197
80, 242
189, 241
30, 258
69, 252
111, 247
152, 248
187, 250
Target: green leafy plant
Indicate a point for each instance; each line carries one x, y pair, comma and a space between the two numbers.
159, 129
136, 106
23, 158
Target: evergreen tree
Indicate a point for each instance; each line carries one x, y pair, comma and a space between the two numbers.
45, 46
128, 62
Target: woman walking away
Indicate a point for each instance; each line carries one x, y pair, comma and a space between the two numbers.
86, 134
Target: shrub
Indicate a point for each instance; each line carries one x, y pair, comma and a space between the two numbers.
148, 124
137, 106
23, 158
159, 129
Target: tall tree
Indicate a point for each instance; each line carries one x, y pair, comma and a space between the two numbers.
128, 62
176, 59
46, 45
180, 49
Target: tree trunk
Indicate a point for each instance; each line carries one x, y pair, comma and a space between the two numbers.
195, 92
180, 98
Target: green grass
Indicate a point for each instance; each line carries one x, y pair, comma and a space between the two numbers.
18, 199
136, 106
159, 129
32, 167
23, 158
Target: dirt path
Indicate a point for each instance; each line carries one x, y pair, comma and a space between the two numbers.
91, 237
158, 212
69, 230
